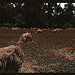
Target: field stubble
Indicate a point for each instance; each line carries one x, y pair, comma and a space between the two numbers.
45, 55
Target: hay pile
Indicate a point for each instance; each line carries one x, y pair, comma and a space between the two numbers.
73, 29
48, 28
25, 38
3, 27
11, 58
57, 30
54, 30
34, 29
70, 29
31, 28
39, 31
7, 28
15, 29
44, 29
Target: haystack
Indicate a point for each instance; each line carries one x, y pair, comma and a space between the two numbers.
25, 38
31, 28
54, 31
18, 28
57, 30
73, 29
48, 28
34, 29
44, 29
3, 27
68, 29
39, 31
15, 29
7, 28
11, 58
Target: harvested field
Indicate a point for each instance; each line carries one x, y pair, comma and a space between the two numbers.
52, 52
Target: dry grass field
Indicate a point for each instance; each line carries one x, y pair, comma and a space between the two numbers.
52, 52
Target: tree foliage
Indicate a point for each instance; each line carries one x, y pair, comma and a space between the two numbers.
42, 15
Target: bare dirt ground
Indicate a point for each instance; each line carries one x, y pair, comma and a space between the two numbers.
52, 52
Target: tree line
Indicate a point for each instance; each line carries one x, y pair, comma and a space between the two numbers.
40, 15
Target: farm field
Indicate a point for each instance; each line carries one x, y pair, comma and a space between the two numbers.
52, 52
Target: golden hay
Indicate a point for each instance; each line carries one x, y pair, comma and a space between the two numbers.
44, 29
31, 28
54, 30
34, 29
73, 29
39, 31
68, 29
11, 58
15, 29
25, 38
7, 28
57, 30
48, 28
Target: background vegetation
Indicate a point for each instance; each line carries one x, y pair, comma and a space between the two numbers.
43, 15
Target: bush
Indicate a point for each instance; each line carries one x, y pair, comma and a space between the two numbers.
67, 25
